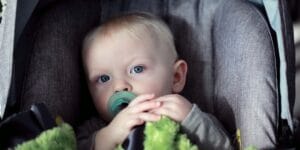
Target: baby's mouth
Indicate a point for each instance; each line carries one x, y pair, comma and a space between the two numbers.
119, 101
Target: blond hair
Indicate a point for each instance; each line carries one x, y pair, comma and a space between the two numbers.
135, 24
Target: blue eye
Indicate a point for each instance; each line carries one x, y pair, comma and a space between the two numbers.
137, 69
103, 78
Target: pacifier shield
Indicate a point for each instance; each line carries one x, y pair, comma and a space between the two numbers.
118, 101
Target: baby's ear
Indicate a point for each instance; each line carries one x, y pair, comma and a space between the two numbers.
179, 79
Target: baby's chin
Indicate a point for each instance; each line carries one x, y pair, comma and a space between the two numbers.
105, 117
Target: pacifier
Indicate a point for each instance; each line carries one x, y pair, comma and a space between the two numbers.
118, 101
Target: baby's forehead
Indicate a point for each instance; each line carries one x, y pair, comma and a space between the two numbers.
143, 37
141, 32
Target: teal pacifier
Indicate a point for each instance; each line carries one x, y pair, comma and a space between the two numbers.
118, 101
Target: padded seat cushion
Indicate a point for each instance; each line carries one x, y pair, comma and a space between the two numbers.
246, 88
227, 44
54, 75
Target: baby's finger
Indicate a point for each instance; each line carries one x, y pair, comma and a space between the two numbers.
140, 119
170, 105
141, 98
145, 106
134, 122
149, 116
163, 111
169, 98
172, 110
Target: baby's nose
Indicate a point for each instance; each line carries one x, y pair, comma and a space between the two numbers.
125, 89
122, 86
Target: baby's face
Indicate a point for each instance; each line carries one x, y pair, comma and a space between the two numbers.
124, 62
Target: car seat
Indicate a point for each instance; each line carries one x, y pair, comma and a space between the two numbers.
226, 44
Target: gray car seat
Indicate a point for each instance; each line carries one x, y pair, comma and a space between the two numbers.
229, 46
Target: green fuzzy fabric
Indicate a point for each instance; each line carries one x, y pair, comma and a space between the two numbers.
61, 137
183, 143
165, 135
251, 148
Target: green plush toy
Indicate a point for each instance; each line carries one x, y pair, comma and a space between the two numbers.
161, 135
61, 137
165, 135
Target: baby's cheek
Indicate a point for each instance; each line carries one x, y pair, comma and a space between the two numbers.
158, 88
100, 102
103, 112
99, 105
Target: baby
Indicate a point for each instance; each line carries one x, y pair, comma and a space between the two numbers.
136, 53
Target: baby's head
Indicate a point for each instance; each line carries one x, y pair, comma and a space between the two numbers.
136, 53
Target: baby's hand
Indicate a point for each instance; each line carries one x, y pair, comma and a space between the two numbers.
136, 113
174, 106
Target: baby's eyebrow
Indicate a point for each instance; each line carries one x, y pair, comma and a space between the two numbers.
141, 61
93, 76
136, 58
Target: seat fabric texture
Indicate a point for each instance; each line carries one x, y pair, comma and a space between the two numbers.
227, 44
